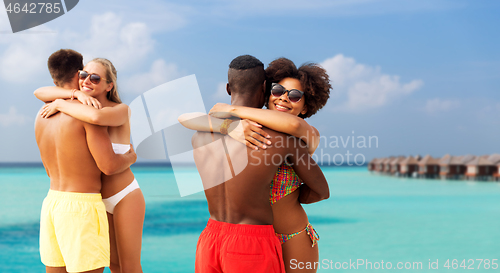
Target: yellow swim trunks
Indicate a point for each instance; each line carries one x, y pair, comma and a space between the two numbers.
74, 231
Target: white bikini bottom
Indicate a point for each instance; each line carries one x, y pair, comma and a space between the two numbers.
112, 201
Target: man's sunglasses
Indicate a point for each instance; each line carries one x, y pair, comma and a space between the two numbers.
294, 95
94, 78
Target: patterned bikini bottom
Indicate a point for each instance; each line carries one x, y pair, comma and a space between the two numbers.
310, 231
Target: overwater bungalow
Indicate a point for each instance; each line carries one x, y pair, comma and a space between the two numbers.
379, 165
387, 164
395, 165
496, 175
495, 159
372, 165
428, 167
408, 166
482, 167
470, 167
454, 167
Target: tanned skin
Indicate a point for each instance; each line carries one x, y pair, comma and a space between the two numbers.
244, 199
75, 154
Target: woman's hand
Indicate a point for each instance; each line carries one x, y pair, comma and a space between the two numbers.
132, 153
50, 109
221, 110
87, 100
249, 133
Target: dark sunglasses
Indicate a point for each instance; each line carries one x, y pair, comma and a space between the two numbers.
94, 78
294, 95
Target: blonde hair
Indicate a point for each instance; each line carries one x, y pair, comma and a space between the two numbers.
111, 77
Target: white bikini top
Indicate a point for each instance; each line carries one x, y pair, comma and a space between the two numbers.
120, 148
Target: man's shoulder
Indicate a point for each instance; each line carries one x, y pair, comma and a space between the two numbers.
71, 123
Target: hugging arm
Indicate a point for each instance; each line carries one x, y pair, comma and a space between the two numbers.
200, 122
51, 93
278, 121
102, 151
244, 131
315, 187
107, 116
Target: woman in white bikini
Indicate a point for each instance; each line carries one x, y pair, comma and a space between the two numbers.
121, 194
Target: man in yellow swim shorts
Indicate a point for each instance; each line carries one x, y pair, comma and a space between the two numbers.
73, 224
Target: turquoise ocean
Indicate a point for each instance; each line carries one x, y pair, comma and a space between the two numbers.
368, 221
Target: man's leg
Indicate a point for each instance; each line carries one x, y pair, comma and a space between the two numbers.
99, 270
49, 269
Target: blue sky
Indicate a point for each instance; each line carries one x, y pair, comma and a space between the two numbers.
422, 76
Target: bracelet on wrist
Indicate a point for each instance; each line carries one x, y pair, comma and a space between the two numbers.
73, 94
225, 125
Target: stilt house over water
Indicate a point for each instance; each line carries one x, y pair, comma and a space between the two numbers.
428, 167
453, 167
408, 166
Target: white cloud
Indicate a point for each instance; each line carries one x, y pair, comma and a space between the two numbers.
364, 86
221, 92
4, 22
12, 117
441, 105
159, 15
160, 73
25, 54
123, 44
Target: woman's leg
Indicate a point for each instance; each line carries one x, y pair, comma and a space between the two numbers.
128, 220
298, 254
114, 266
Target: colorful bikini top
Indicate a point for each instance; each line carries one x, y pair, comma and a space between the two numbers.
285, 181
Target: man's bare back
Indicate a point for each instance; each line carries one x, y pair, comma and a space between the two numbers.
244, 199
74, 153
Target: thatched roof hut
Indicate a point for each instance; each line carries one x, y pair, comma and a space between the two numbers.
454, 166
428, 166
482, 166
395, 164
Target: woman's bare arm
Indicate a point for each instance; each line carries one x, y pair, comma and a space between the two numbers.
278, 121
200, 122
315, 187
244, 131
51, 93
108, 116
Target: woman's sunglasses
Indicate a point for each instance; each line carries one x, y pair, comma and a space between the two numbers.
294, 95
94, 78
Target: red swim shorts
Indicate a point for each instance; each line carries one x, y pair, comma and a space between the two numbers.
225, 247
